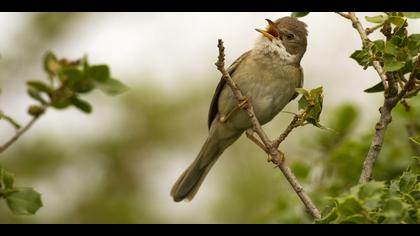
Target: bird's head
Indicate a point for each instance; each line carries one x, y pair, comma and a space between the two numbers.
286, 36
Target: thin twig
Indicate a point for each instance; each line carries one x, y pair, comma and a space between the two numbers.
250, 134
376, 64
372, 29
411, 84
345, 15
20, 132
297, 121
277, 156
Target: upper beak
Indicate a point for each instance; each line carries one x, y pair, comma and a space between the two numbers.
271, 32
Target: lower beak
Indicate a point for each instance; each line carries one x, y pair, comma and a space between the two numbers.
265, 34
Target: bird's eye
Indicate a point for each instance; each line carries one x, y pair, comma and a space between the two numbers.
290, 36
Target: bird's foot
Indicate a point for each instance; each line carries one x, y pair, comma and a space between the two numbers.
277, 161
243, 103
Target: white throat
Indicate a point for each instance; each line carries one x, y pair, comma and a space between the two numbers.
275, 48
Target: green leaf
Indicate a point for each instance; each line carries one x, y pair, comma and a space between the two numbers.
391, 48
99, 73
40, 86
330, 217
412, 15
393, 208
36, 94
415, 37
379, 87
70, 76
112, 87
354, 219
81, 104
391, 65
349, 206
407, 181
10, 120
61, 98
415, 140
378, 47
299, 14
372, 193
317, 99
396, 20
370, 189
51, 64
376, 19
361, 57
7, 179
329, 213
23, 201
413, 47
84, 86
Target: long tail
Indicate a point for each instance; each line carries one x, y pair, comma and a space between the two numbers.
190, 181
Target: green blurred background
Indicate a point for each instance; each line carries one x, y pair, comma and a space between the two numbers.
118, 164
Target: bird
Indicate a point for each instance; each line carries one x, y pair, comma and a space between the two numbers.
267, 75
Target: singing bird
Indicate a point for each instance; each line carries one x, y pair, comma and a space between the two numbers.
267, 75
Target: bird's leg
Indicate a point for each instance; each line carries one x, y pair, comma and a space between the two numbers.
277, 161
269, 158
241, 105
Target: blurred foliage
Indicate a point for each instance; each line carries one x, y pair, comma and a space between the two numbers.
21, 201
377, 202
67, 80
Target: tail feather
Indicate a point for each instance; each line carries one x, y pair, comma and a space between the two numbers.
190, 181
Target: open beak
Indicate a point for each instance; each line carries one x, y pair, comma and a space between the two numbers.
271, 32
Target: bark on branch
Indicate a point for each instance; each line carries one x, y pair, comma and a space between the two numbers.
266, 144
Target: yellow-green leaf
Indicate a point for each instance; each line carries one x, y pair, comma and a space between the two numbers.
415, 140
412, 15
23, 201
112, 87
391, 65
81, 104
376, 19
299, 14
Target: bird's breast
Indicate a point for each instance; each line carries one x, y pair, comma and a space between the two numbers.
269, 86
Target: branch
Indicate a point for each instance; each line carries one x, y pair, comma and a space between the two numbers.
345, 15
20, 132
297, 121
372, 29
411, 84
385, 110
266, 145
363, 35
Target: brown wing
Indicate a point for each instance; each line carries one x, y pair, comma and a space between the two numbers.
213, 106
299, 86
